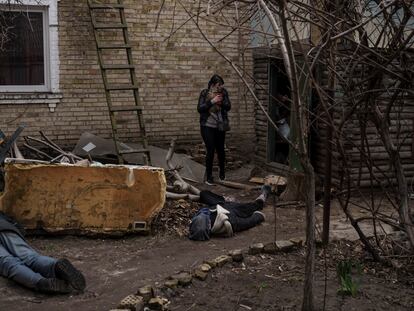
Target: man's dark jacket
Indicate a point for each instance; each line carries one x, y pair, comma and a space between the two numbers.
8, 224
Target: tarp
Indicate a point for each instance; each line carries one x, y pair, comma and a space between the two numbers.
102, 148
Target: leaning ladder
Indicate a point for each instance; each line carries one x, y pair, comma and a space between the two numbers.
98, 27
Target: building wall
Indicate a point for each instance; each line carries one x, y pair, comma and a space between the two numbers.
261, 76
171, 74
361, 147
352, 139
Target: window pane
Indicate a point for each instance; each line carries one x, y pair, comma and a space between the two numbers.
21, 51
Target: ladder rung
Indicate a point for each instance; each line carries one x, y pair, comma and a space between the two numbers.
119, 27
122, 87
110, 26
118, 67
134, 151
125, 108
97, 6
114, 46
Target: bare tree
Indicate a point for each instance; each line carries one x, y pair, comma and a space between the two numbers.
363, 50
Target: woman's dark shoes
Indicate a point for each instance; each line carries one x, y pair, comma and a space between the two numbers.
209, 181
53, 286
64, 270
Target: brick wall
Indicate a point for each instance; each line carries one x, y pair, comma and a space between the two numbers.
171, 74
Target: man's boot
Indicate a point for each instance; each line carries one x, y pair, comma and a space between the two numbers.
259, 216
64, 270
266, 190
53, 286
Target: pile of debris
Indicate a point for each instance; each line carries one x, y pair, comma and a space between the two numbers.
175, 217
36, 150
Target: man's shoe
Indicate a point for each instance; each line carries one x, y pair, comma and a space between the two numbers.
261, 216
64, 270
53, 286
266, 190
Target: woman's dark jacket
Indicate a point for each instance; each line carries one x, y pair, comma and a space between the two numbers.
204, 106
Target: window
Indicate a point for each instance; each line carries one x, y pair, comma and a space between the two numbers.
24, 49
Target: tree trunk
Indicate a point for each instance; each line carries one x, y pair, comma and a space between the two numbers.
308, 301
295, 188
395, 160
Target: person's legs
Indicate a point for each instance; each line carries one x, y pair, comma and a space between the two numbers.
41, 272
247, 209
211, 198
221, 153
208, 137
13, 268
243, 209
243, 223
20, 249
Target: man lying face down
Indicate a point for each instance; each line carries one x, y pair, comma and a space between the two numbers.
222, 218
22, 264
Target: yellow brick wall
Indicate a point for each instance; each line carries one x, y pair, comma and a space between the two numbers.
171, 74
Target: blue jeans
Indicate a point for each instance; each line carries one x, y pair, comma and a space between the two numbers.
22, 264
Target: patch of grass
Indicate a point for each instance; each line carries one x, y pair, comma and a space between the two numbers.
348, 286
261, 287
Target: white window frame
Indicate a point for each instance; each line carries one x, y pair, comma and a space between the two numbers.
50, 45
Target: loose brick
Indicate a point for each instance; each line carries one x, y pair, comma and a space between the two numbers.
256, 248
130, 302
183, 278
146, 292
237, 255
171, 283
222, 260
201, 275
205, 267
158, 303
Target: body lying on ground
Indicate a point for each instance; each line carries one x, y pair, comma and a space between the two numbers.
221, 218
22, 264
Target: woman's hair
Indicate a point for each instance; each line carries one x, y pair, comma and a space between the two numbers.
215, 79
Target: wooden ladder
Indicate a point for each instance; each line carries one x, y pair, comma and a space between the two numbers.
94, 8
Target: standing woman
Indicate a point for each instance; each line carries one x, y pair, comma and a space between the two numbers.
213, 105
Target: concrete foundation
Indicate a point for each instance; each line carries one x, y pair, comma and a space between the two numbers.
92, 199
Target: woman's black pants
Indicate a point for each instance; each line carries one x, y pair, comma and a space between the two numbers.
214, 141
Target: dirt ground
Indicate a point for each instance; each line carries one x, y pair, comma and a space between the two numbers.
275, 282
115, 268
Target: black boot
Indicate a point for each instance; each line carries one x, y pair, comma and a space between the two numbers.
222, 176
64, 270
53, 286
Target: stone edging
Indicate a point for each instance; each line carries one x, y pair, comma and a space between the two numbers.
146, 300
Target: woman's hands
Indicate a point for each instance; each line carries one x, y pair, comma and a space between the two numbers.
218, 99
